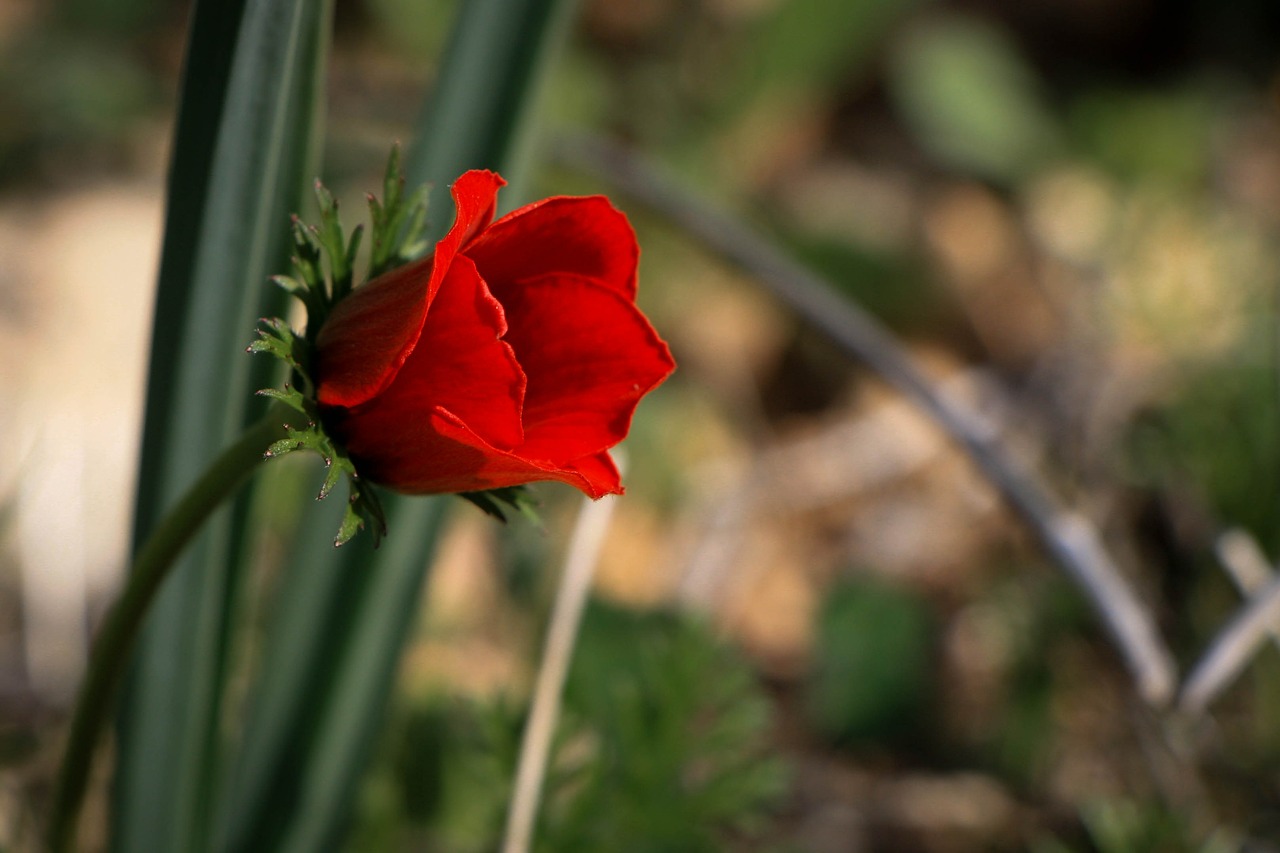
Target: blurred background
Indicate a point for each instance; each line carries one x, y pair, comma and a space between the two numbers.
815, 625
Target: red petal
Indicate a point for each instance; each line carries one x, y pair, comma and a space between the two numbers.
371, 333
584, 236
589, 355
460, 366
454, 459
600, 474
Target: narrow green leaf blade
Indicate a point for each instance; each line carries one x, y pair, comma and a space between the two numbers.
337, 630
478, 116
319, 700
240, 164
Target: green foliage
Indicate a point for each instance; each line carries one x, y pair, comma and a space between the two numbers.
241, 155
479, 113
323, 267
477, 759
1220, 437
1036, 614
670, 733
341, 617
1124, 826
872, 677
497, 502
67, 87
1134, 134
813, 42
411, 28
324, 257
399, 223
893, 287
971, 99
363, 507
662, 746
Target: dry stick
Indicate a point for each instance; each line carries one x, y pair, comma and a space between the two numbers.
1237, 643
566, 616
1243, 558
1068, 538
1233, 648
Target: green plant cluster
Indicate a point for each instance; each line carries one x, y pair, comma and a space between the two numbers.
871, 682
663, 746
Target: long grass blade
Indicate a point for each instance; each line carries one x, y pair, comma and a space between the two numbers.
241, 160
304, 754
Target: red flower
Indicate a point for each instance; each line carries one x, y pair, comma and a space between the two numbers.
515, 352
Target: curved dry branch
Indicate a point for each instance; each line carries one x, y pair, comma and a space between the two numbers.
1066, 537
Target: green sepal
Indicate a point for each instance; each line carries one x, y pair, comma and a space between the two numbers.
324, 257
279, 340
307, 262
498, 502
399, 223
291, 286
340, 252
363, 507
288, 395
323, 274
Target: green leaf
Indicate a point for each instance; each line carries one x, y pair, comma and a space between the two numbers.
663, 741
241, 157
342, 617
337, 628
972, 99
807, 44
872, 677
496, 503
289, 396
397, 221
493, 67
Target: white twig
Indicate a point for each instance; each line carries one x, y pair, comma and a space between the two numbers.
566, 617
1236, 644
1244, 560
1248, 566
1081, 554
1232, 649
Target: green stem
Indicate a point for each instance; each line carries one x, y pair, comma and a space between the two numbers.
110, 655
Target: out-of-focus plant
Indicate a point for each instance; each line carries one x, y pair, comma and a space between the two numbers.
1125, 826
872, 679
663, 745
971, 99
244, 143
1216, 441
